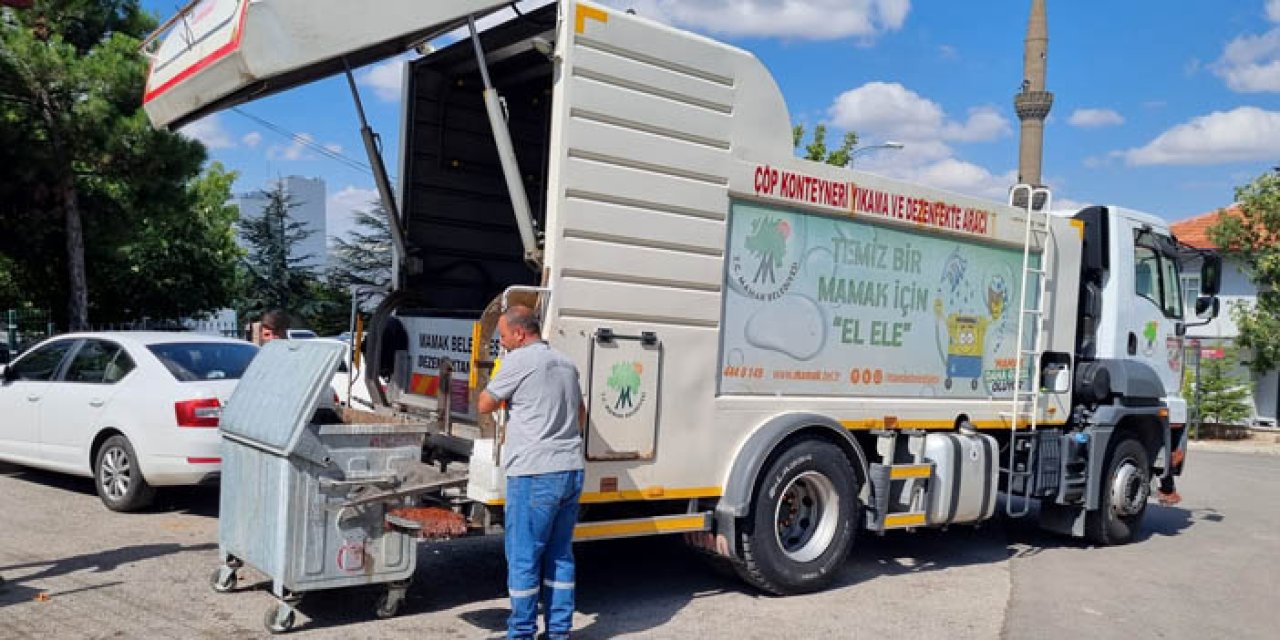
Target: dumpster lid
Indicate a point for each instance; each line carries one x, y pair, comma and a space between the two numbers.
216, 54
279, 392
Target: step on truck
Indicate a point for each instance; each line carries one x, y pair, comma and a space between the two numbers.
778, 355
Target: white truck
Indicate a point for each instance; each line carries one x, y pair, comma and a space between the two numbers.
776, 354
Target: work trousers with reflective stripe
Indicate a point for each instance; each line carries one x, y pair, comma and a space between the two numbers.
541, 511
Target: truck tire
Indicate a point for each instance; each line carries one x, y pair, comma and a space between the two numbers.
1125, 489
802, 521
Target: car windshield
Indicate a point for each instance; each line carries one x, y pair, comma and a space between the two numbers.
192, 361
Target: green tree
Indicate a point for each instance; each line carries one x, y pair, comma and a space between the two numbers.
71, 80
273, 275
1249, 239
1224, 395
176, 262
817, 150
362, 261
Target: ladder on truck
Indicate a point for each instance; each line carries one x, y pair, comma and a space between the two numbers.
1024, 410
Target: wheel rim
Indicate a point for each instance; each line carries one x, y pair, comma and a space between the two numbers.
1129, 489
115, 473
806, 516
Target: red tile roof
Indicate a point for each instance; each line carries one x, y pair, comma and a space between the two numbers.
1195, 231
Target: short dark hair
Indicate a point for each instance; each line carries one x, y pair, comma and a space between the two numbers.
523, 317
276, 320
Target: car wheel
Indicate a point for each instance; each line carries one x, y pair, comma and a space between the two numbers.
118, 477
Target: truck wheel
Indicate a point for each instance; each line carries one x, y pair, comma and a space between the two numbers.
1125, 489
802, 520
118, 477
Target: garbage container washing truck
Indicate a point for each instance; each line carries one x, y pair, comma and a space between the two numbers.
777, 355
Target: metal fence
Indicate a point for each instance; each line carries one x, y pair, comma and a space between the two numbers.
25, 327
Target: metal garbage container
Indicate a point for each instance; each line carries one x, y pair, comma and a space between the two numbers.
306, 503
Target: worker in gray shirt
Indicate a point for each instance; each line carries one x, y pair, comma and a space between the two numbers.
543, 462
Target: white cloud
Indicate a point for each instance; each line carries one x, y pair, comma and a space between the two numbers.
1251, 63
812, 20
1273, 10
333, 147
296, 149
210, 131
1095, 118
895, 112
341, 207
984, 124
252, 139
1242, 135
948, 52
386, 79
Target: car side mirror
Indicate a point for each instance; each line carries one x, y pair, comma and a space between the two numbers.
1210, 275
1208, 307
7, 373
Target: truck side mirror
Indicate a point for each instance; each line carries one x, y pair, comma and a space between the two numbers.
1207, 307
1210, 276
7, 374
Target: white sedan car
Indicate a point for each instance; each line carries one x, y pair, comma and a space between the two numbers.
132, 410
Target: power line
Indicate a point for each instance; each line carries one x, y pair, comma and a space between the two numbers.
306, 141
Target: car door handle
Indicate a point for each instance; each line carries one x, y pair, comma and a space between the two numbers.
33, 398
96, 403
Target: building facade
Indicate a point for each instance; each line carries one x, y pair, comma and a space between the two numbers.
1221, 332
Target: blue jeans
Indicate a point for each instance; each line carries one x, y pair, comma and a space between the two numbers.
540, 514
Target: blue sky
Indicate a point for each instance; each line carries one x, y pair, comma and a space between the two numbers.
1160, 106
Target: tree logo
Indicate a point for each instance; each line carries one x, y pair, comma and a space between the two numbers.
768, 269
624, 396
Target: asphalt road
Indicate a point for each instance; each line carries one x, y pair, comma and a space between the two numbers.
1208, 568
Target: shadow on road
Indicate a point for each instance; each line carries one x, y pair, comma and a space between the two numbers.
198, 501
17, 589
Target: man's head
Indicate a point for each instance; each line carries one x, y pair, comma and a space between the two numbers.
518, 327
275, 325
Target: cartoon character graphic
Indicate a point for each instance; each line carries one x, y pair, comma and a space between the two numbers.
965, 348
997, 297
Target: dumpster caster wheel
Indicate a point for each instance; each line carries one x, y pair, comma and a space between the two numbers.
279, 618
389, 604
223, 579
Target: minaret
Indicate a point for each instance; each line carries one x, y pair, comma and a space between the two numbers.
1033, 101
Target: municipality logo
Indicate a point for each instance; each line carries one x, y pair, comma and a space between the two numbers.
767, 271
623, 396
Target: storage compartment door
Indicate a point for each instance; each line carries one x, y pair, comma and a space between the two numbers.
623, 396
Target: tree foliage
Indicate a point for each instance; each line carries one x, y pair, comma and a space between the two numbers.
817, 149
1224, 395
362, 261
273, 274
95, 203
1249, 237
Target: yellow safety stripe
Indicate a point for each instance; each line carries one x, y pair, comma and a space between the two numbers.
913, 471
904, 520
867, 425
585, 13
648, 493
590, 530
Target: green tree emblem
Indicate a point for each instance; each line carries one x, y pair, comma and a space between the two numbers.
624, 378
768, 242
1150, 332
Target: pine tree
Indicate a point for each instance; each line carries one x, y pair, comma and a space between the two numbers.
272, 276
1224, 395
363, 259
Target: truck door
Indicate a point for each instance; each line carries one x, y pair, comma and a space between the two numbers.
1151, 318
